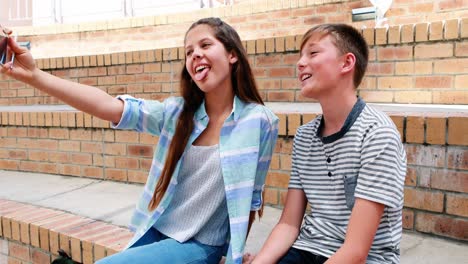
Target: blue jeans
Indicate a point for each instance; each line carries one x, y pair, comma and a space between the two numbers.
155, 247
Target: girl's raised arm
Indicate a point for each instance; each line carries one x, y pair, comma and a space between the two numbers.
85, 98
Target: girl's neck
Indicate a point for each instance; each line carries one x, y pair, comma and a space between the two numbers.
219, 105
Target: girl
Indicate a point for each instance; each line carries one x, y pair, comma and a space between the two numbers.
214, 149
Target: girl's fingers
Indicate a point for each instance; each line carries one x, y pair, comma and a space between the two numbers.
15, 47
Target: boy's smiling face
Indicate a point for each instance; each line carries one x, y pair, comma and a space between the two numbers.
319, 67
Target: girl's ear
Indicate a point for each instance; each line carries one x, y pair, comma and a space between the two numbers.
232, 57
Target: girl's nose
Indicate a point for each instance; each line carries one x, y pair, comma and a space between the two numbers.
196, 54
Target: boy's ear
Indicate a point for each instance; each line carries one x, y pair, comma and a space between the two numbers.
349, 61
232, 57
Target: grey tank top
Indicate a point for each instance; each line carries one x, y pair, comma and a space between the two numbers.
198, 208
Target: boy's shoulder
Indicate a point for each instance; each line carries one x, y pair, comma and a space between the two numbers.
309, 128
376, 118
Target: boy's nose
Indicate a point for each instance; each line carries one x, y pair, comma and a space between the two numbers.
300, 64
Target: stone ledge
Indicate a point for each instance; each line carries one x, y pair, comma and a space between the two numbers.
423, 124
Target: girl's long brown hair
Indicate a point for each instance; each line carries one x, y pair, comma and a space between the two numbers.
244, 86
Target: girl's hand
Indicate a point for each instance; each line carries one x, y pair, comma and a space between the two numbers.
23, 66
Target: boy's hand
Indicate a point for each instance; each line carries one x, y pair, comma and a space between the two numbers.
248, 258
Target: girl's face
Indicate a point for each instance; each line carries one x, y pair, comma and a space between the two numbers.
207, 61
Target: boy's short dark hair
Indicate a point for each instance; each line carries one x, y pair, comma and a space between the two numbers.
346, 39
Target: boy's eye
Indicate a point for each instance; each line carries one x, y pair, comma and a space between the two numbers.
204, 45
188, 53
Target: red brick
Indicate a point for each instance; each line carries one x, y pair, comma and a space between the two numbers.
34, 227
457, 205
449, 180
442, 225
419, 199
451, 29
19, 251
411, 177
421, 32
138, 176
294, 121
395, 83
450, 66
436, 130
457, 131
415, 129
39, 257
432, 156
394, 53
138, 150
271, 196
449, 97
369, 36
281, 96
99, 252
126, 136
12, 260
457, 158
408, 219
282, 72
461, 81
277, 179
54, 233
433, 82
117, 175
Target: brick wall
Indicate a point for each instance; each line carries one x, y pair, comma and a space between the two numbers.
253, 19
76, 144
414, 63
30, 234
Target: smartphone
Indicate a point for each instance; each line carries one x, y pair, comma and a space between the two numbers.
3, 48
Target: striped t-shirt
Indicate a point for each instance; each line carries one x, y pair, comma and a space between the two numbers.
367, 154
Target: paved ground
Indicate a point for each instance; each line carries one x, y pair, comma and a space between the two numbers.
113, 202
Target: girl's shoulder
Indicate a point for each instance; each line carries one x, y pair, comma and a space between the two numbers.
261, 111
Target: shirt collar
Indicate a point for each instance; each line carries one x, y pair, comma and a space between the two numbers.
237, 108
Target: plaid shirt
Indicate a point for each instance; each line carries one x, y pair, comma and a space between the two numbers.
247, 140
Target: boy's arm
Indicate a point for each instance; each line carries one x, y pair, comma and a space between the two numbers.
363, 224
286, 231
86, 98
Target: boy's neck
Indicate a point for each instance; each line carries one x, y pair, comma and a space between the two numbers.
335, 111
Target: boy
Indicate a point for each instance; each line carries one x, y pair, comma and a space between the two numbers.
348, 164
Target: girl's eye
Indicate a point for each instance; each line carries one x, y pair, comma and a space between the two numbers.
313, 52
188, 53
204, 45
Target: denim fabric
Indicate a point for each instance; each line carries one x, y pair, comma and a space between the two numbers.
155, 247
